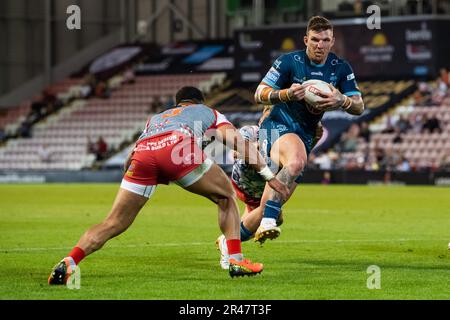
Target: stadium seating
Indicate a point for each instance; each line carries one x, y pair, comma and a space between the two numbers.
421, 148
117, 120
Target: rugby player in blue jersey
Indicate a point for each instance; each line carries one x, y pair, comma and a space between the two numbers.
287, 134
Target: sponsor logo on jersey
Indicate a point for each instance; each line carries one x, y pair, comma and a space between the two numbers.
350, 77
317, 74
298, 58
273, 75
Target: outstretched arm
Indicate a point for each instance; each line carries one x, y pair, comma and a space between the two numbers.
231, 137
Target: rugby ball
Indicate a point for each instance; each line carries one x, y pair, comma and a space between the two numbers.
314, 90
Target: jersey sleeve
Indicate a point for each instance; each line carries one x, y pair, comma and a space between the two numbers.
220, 120
347, 84
278, 77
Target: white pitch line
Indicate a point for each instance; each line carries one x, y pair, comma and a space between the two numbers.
4, 250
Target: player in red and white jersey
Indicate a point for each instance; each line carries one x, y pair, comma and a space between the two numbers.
168, 151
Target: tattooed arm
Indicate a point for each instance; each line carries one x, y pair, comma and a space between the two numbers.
265, 94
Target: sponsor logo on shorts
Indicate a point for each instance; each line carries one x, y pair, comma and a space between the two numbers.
350, 77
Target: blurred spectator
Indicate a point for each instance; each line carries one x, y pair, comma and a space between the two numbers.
403, 165
101, 148
422, 97
91, 147
440, 93
364, 131
431, 124
398, 136
349, 140
323, 161
379, 155
51, 101
170, 102
390, 128
88, 86
129, 76
444, 77
372, 163
45, 154
102, 90
326, 178
156, 105
37, 109
347, 143
445, 162
403, 124
390, 160
417, 122
3, 135
358, 7
25, 130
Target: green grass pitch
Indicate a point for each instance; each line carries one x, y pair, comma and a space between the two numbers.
331, 235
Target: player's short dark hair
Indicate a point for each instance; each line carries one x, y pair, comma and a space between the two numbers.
319, 24
189, 94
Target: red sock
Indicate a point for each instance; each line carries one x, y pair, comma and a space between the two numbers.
77, 254
234, 246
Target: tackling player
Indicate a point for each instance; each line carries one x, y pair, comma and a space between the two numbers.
287, 134
167, 151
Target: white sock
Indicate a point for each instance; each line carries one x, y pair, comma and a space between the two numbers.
268, 222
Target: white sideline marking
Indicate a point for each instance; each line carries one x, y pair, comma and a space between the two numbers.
2, 250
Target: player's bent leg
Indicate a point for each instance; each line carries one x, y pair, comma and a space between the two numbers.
288, 152
124, 210
214, 184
